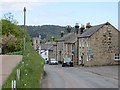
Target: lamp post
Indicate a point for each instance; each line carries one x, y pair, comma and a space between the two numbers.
24, 28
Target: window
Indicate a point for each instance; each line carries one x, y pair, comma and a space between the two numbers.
87, 56
90, 54
117, 57
80, 54
45, 53
86, 43
82, 43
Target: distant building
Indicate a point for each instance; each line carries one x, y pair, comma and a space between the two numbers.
36, 42
44, 50
99, 45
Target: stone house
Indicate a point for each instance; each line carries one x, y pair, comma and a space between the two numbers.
99, 45
71, 48
36, 42
67, 45
52, 51
61, 46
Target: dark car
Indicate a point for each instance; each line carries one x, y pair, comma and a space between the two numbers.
67, 62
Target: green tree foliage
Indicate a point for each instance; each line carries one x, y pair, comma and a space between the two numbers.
12, 35
46, 31
11, 28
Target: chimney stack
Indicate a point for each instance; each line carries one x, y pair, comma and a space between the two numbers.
88, 25
82, 29
62, 33
76, 28
68, 29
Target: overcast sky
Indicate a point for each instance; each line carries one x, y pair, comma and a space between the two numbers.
62, 12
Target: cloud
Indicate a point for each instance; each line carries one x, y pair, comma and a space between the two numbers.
18, 6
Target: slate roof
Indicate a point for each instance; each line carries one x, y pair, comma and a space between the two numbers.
66, 37
72, 40
90, 31
46, 46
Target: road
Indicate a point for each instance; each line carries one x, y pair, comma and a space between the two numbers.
72, 77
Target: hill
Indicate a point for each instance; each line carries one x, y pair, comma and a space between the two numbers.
46, 31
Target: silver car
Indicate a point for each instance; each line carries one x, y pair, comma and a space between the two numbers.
53, 62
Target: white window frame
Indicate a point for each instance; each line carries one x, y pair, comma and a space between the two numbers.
80, 54
117, 56
87, 42
82, 43
87, 57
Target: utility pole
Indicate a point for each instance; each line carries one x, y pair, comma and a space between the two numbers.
24, 28
56, 50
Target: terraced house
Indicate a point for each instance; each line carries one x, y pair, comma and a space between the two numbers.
67, 44
99, 45
63, 49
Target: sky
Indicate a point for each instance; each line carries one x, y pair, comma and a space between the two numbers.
62, 12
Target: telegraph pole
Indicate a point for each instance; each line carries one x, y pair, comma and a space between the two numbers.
24, 28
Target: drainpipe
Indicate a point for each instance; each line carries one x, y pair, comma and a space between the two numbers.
77, 51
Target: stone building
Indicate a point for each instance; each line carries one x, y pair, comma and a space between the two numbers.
99, 45
67, 44
71, 48
36, 42
62, 47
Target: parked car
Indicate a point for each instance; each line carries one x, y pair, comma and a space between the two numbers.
67, 62
53, 62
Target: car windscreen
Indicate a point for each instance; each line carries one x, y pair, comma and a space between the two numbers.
53, 60
67, 59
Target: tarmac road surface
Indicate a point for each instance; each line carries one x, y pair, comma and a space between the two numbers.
72, 77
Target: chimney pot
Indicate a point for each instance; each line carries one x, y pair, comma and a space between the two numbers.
77, 28
82, 29
62, 33
88, 25
68, 29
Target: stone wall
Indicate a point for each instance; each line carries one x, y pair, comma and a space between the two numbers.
104, 44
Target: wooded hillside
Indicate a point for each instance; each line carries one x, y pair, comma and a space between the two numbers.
46, 31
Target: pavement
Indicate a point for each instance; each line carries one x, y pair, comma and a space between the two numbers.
7, 64
108, 71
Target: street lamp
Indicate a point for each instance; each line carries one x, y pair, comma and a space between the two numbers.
24, 28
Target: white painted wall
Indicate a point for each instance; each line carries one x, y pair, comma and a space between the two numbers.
44, 54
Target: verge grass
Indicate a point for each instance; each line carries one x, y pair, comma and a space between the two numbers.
31, 69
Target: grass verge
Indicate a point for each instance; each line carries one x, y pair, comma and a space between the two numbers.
31, 69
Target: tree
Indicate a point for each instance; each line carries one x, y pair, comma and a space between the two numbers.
12, 35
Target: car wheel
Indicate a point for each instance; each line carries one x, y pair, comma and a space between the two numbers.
62, 65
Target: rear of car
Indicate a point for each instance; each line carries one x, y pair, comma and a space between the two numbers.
67, 62
53, 62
